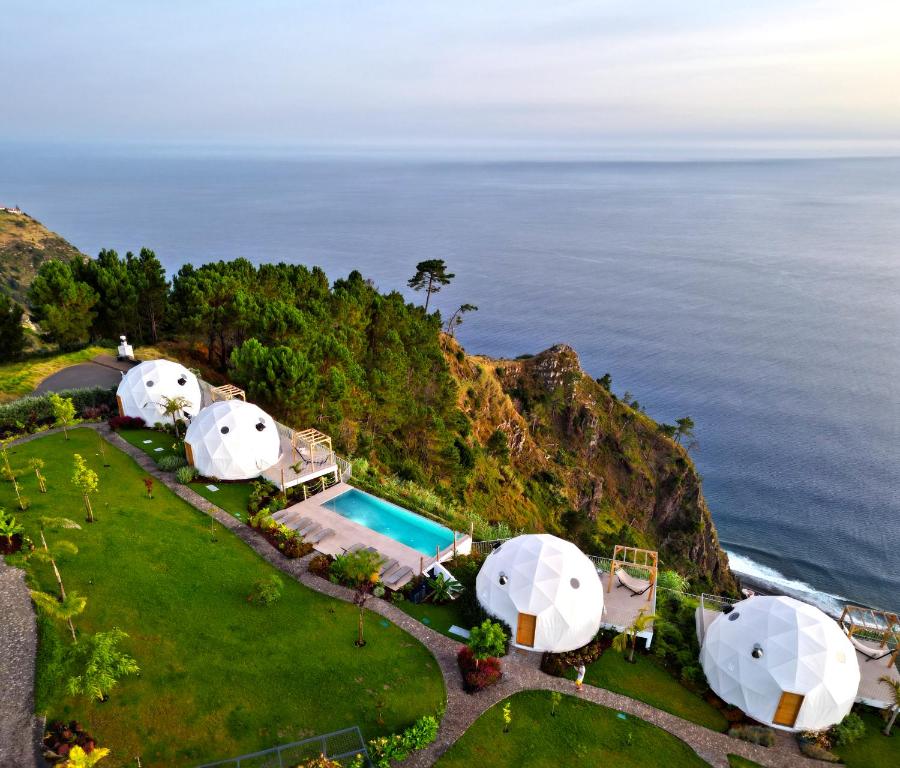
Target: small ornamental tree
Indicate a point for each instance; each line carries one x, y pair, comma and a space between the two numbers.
9, 527
37, 465
894, 695
11, 476
487, 640
359, 570
64, 609
63, 412
148, 484
431, 274
103, 664
87, 482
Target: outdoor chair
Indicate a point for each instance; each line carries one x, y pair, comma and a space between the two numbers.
632, 584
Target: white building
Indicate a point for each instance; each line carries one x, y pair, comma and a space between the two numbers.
144, 389
232, 440
782, 662
546, 589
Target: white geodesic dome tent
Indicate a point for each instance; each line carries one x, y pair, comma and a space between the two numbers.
546, 589
232, 440
143, 390
783, 662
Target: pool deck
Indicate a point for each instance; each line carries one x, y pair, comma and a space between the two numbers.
348, 534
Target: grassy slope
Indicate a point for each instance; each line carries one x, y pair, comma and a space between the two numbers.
875, 749
647, 681
581, 733
219, 676
20, 378
25, 244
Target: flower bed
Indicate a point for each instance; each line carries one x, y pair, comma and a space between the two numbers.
478, 675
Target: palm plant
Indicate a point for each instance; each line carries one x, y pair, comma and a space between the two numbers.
443, 590
627, 639
173, 406
894, 685
65, 610
9, 527
103, 665
78, 758
45, 555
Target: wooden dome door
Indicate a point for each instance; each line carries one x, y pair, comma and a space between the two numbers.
788, 709
525, 629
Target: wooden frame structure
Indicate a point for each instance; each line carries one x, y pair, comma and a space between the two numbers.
649, 560
227, 392
881, 627
311, 439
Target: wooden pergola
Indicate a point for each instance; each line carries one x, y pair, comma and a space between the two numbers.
227, 392
635, 557
882, 627
312, 440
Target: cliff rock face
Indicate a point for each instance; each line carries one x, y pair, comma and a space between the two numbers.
581, 463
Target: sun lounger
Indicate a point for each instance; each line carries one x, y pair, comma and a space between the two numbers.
323, 534
294, 520
308, 529
281, 514
387, 567
871, 654
632, 584
398, 576
354, 548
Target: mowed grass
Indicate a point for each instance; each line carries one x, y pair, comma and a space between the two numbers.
439, 617
874, 749
736, 761
646, 681
232, 497
581, 733
219, 676
20, 378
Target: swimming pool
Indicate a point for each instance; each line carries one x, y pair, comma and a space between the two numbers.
400, 524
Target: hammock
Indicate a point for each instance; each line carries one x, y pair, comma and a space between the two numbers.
871, 654
634, 585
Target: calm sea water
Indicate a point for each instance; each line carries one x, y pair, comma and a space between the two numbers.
762, 299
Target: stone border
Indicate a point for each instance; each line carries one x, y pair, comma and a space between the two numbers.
463, 709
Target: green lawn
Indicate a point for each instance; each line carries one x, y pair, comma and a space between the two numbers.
874, 749
219, 676
439, 617
736, 761
232, 497
647, 681
581, 733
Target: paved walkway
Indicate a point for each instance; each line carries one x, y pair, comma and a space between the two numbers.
20, 730
463, 709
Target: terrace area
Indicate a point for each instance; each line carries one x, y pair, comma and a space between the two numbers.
629, 587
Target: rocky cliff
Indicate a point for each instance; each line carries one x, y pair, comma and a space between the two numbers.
566, 456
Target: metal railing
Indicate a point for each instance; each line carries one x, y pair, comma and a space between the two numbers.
337, 745
345, 468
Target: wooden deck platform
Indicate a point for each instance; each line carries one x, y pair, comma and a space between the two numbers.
295, 465
621, 608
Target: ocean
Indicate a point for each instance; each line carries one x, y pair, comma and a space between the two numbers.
760, 298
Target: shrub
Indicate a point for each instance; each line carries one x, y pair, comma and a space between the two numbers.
186, 474
477, 675
818, 752
262, 491
557, 664
387, 749
60, 737
266, 591
28, 414
320, 565
487, 639
755, 734
421, 733
169, 463
126, 422
292, 544
850, 729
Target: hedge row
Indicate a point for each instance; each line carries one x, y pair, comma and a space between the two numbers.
29, 413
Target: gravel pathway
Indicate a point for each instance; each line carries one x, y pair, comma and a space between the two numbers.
462, 709
20, 730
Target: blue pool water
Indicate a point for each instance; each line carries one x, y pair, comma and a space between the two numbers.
400, 524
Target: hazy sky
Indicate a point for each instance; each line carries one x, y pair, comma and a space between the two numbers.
767, 76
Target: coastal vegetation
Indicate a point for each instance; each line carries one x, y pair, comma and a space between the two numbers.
219, 675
